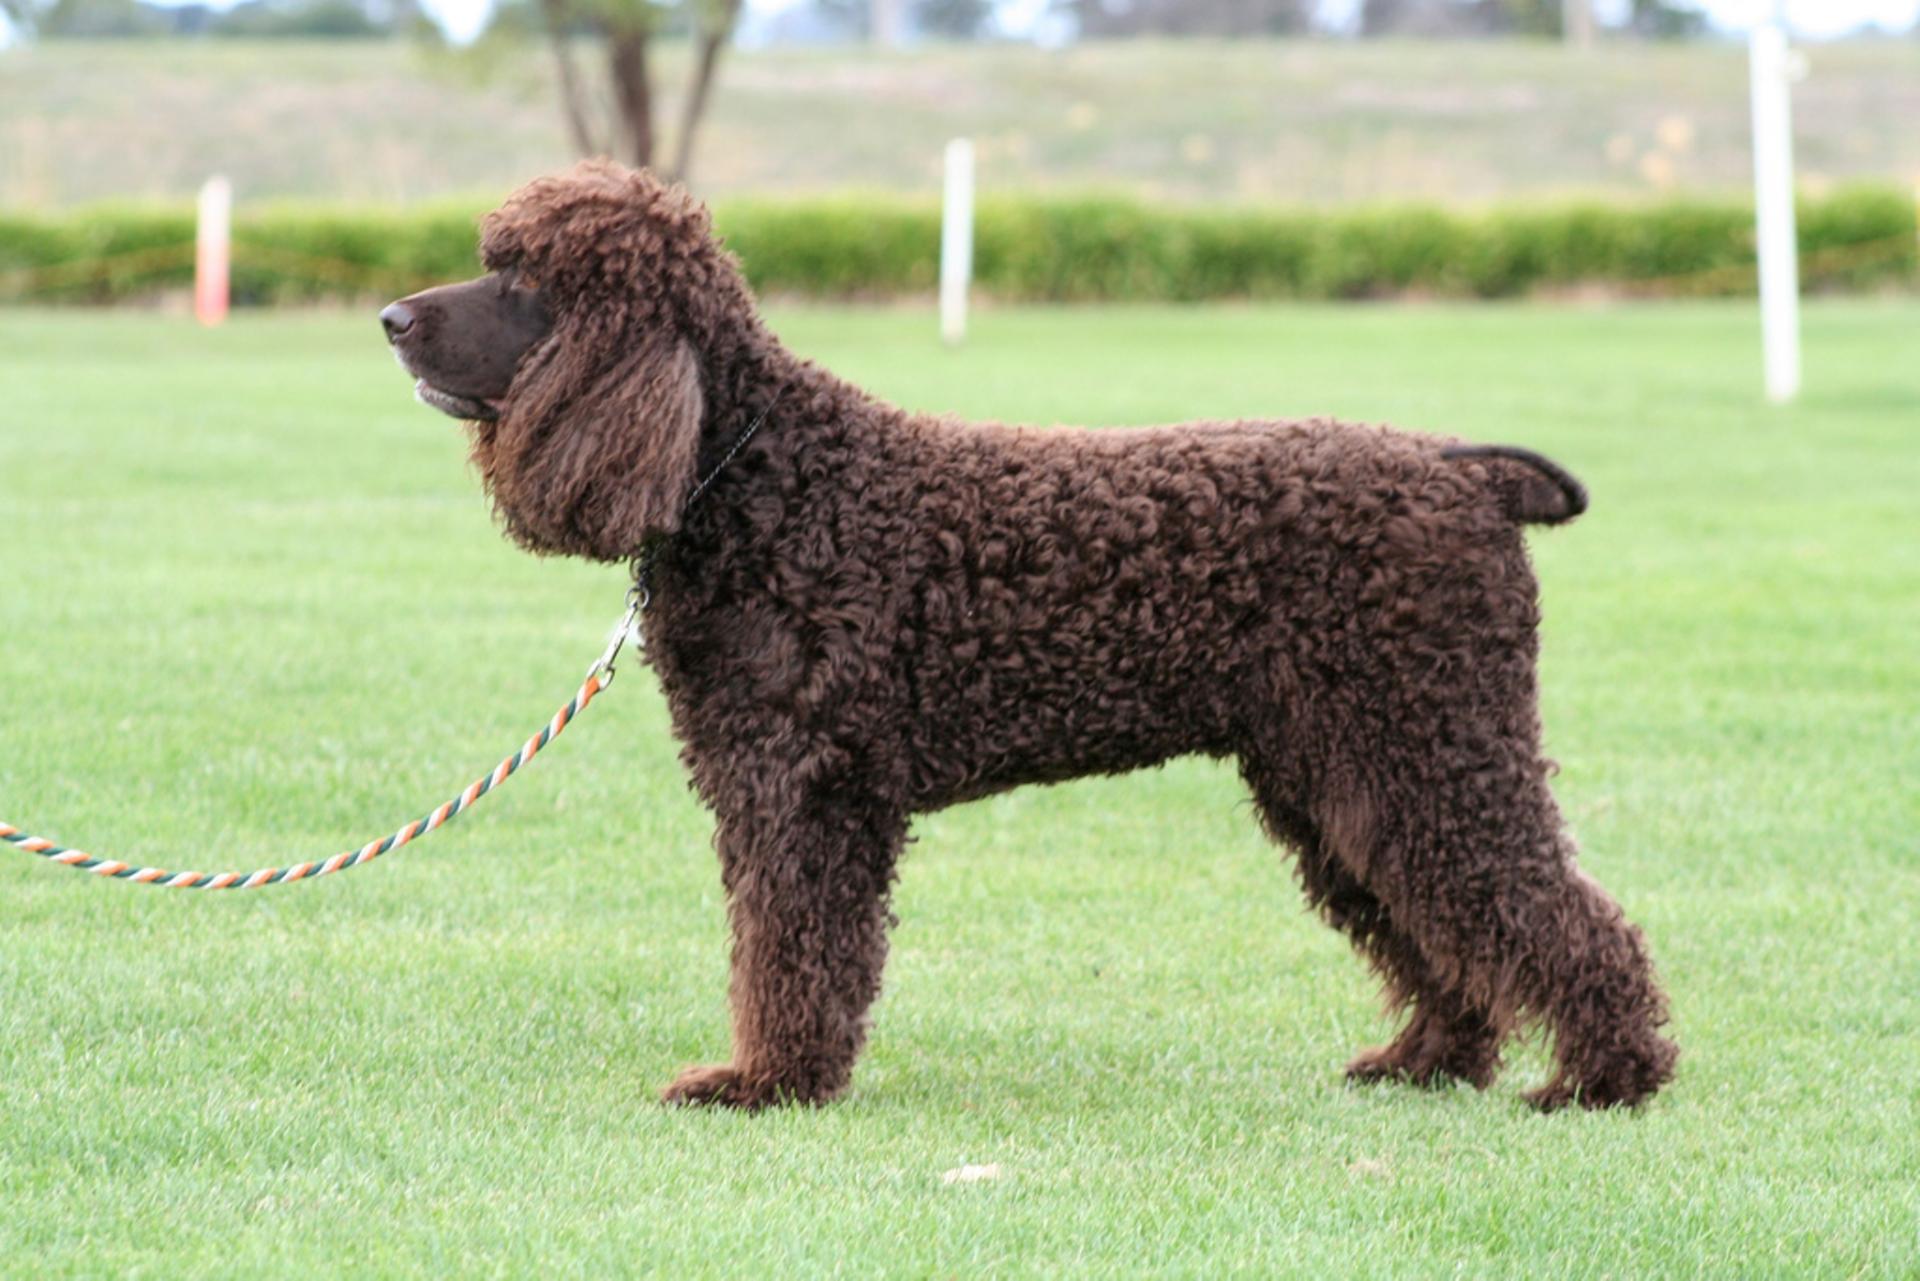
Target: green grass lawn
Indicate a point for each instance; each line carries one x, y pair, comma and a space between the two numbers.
254, 610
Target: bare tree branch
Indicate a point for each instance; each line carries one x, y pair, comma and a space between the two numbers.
572, 99
626, 28
714, 28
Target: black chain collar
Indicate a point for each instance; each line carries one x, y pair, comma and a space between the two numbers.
640, 595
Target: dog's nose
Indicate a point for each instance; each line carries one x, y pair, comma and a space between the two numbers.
396, 318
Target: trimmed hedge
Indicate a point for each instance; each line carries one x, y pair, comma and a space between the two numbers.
1050, 249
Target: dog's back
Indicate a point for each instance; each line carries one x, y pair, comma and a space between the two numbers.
1094, 601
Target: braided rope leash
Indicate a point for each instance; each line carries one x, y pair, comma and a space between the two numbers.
599, 676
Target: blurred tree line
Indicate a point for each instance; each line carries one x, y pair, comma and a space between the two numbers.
1661, 19
250, 19
885, 21
1121, 19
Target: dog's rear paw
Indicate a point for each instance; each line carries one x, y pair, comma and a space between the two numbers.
1626, 1090
1624, 1081
723, 1085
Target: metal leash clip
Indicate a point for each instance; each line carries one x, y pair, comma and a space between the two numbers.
626, 631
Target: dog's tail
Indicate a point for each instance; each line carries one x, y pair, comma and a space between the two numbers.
1532, 490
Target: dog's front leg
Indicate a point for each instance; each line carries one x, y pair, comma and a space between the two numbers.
808, 902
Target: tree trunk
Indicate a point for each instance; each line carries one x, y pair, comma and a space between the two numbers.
711, 40
572, 99
632, 94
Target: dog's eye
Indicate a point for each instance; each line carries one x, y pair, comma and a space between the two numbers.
522, 280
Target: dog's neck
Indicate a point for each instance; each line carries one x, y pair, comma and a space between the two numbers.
746, 372
741, 381
767, 411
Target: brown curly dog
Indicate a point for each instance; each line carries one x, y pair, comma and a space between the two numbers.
869, 614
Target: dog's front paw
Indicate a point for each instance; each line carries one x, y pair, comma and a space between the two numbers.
1382, 1063
1430, 1070
722, 1085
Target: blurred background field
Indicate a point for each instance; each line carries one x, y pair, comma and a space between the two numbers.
1297, 122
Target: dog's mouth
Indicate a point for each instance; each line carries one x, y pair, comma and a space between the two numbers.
457, 406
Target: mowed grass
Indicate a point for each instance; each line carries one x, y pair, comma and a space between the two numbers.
254, 610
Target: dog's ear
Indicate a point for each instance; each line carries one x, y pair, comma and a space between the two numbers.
594, 466
633, 443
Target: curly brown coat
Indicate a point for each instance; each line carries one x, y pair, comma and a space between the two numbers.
873, 614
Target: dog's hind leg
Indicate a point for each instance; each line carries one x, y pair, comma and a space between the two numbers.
1447, 1038
807, 897
1476, 868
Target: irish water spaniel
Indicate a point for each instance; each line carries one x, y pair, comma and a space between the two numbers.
861, 614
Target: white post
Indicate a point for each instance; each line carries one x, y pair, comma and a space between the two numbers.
956, 241
212, 242
1778, 245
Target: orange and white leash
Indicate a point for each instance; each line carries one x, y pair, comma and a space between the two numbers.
599, 676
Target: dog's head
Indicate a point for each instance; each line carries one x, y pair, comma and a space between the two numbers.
464, 343
577, 359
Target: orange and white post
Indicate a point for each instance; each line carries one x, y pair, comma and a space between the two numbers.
213, 246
